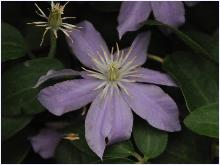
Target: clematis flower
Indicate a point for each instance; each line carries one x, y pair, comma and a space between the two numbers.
116, 85
134, 13
46, 141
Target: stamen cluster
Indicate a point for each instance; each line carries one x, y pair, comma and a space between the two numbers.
113, 69
54, 21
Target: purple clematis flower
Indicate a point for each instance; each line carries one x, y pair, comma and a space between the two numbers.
115, 86
48, 138
134, 13
45, 142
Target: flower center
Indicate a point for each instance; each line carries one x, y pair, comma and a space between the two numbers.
55, 20
113, 73
113, 69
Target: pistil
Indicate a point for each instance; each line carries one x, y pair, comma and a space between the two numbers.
113, 73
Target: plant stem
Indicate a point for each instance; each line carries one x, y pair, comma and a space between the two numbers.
53, 45
141, 160
156, 58
138, 157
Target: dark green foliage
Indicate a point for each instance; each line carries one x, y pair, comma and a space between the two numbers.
191, 57
13, 43
196, 76
19, 82
204, 120
150, 141
186, 147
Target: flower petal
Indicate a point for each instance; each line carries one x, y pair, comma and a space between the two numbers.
132, 15
87, 41
171, 13
139, 49
153, 76
109, 118
122, 120
153, 105
56, 74
46, 142
98, 124
68, 95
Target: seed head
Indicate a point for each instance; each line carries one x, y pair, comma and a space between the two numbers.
54, 21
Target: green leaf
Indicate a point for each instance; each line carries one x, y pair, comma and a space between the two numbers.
210, 43
119, 150
12, 125
193, 44
13, 44
116, 161
21, 79
150, 141
80, 144
67, 153
29, 102
186, 148
196, 76
204, 120
15, 149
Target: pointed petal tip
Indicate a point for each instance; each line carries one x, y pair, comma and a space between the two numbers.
45, 142
161, 112
55, 111
171, 13
139, 48
120, 32
132, 15
177, 128
100, 156
68, 96
155, 77
87, 41
169, 127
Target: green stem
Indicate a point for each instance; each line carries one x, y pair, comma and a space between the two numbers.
146, 160
140, 160
156, 58
53, 45
138, 157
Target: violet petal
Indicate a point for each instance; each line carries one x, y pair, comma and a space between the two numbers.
46, 142
132, 15
169, 12
153, 105
122, 120
139, 49
152, 76
86, 42
56, 74
68, 95
110, 118
99, 116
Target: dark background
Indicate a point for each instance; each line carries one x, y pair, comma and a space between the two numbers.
103, 15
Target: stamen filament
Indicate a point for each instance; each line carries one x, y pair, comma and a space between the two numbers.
114, 71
